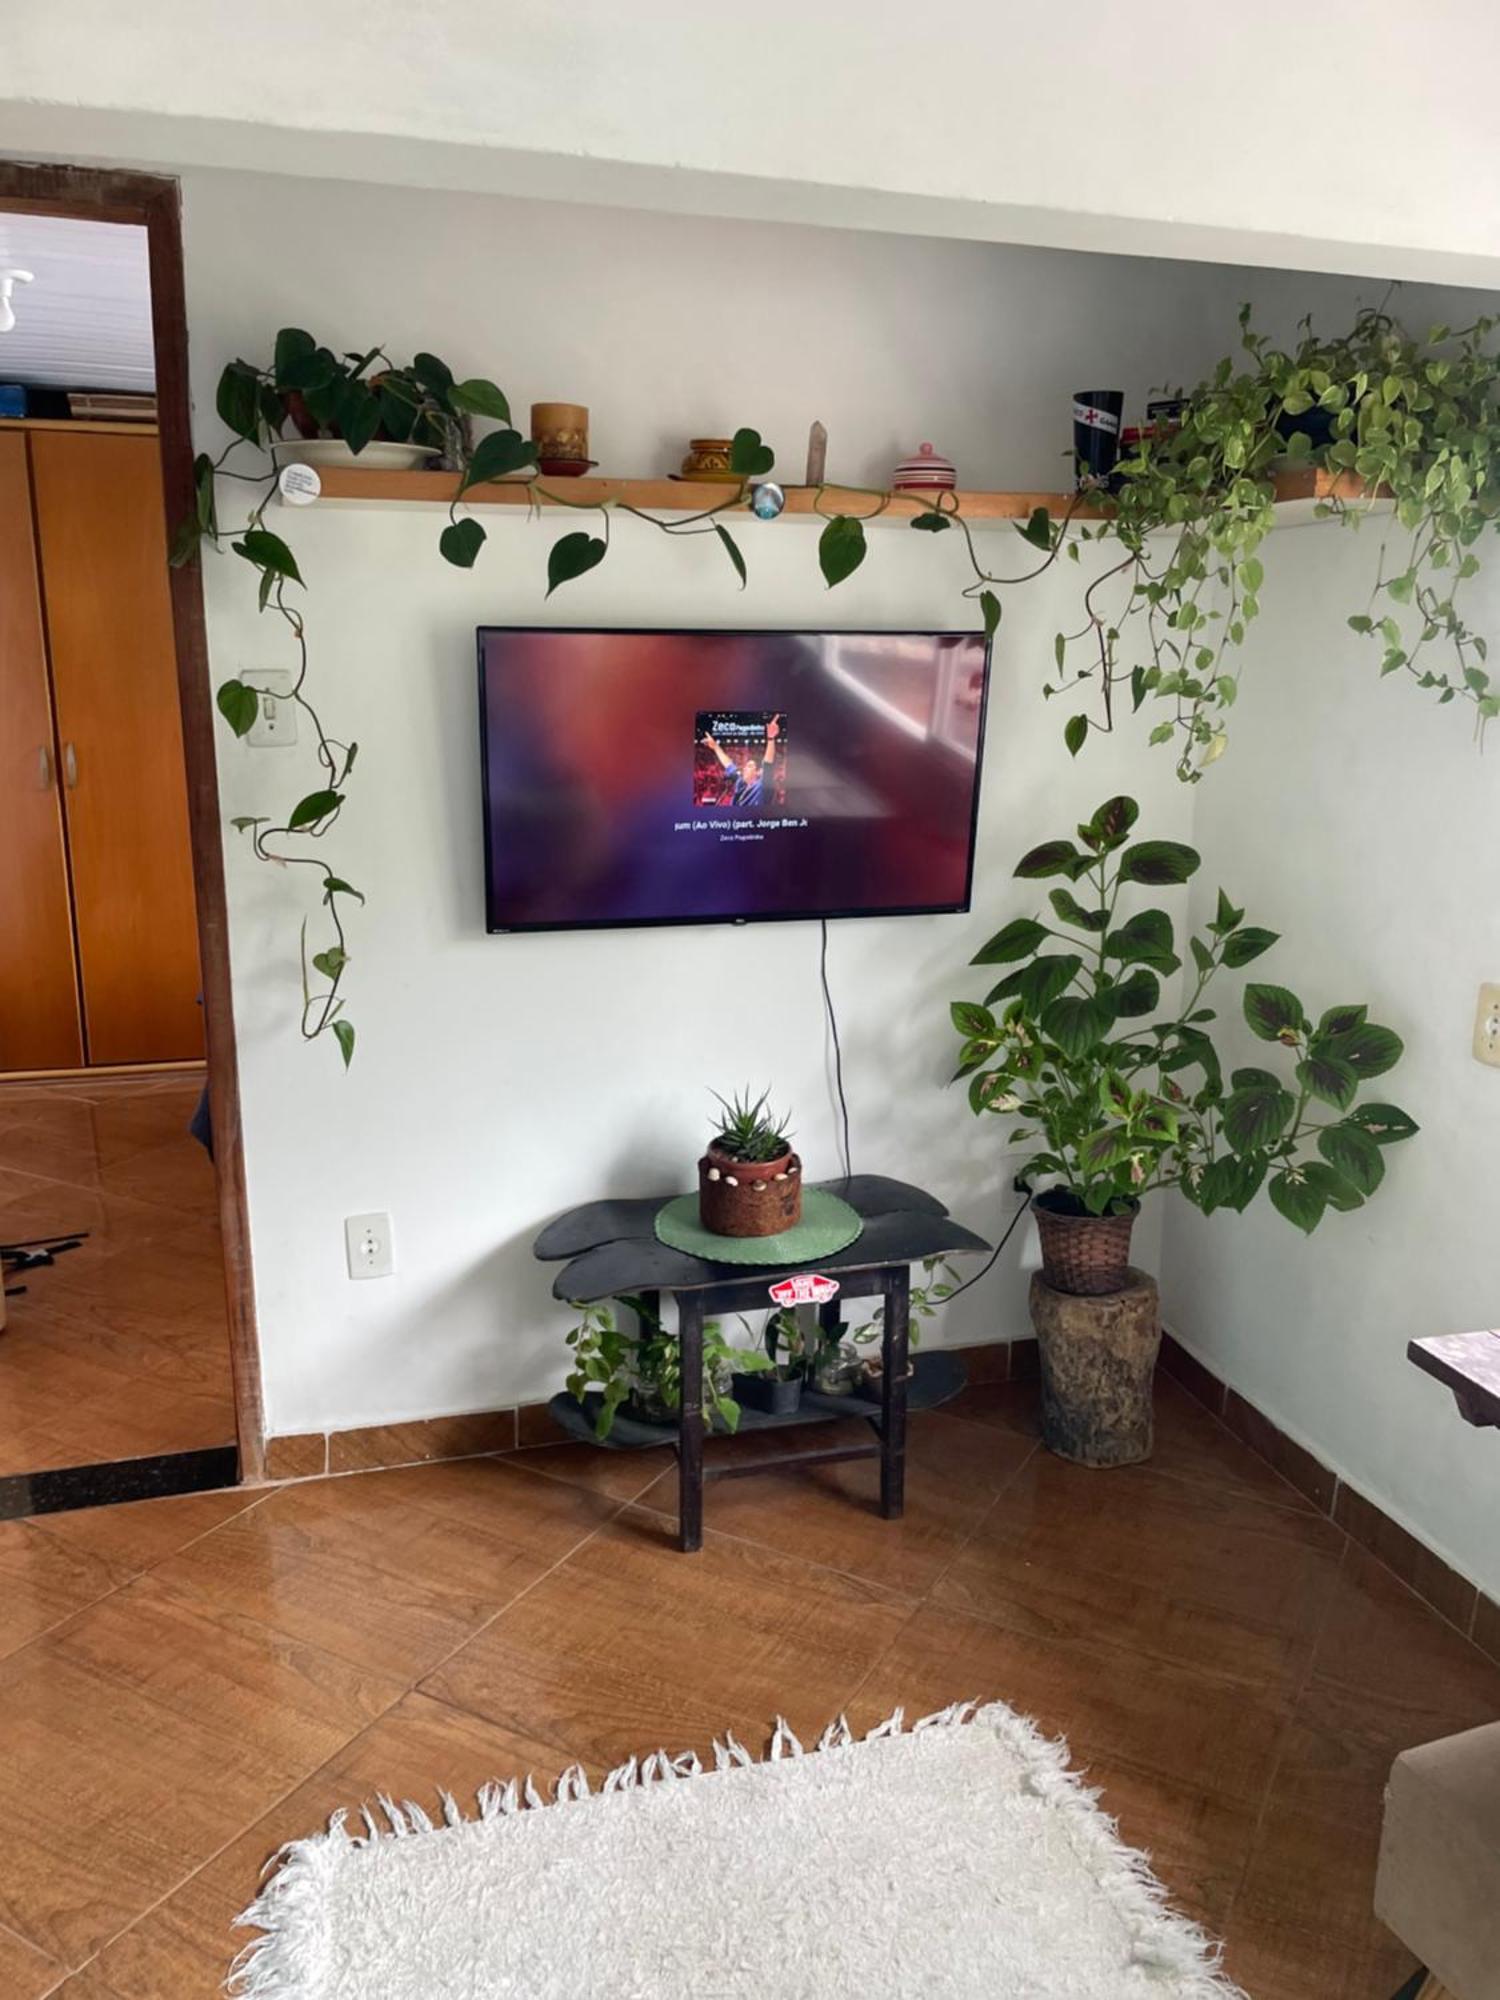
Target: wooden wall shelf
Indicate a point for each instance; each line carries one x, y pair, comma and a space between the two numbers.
675, 496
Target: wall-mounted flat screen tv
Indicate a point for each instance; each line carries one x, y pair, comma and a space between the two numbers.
679, 777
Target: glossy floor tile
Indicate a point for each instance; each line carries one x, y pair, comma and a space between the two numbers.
196, 1681
119, 1350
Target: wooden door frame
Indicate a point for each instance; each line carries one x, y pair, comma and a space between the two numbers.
153, 202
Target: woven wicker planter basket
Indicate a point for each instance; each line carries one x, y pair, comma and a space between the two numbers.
1087, 1255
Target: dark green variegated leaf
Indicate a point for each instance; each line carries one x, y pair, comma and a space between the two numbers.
1158, 1122
1228, 1183
1067, 906
316, 806
1075, 729
1156, 862
1298, 1199
460, 542
1226, 917
1193, 1050
1256, 1116
343, 1034
1019, 939
1387, 1124
970, 1018
1248, 1079
841, 548
1369, 1050
239, 705
1102, 1151
1350, 1151
1077, 1023
573, 555
986, 1092
974, 1054
1113, 821
1203, 958
1041, 981
1249, 943
1144, 939
1053, 857
1137, 995
1333, 1081
1341, 1020
1274, 1013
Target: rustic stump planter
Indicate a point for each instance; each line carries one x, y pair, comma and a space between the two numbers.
749, 1197
1086, 1255
1098, 1357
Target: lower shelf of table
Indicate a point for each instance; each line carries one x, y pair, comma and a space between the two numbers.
936, 1376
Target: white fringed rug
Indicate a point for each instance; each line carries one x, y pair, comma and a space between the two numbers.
959, 1860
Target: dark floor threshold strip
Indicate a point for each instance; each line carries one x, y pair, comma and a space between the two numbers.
117, 1480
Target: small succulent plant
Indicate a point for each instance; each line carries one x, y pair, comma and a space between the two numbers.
748, 1130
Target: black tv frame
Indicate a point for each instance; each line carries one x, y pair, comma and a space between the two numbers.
481, 632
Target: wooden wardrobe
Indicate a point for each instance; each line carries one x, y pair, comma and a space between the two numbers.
98, 938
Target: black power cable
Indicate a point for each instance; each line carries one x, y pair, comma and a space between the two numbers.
838, 1053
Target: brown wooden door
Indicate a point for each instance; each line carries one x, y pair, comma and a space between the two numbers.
102, 538
40, 1026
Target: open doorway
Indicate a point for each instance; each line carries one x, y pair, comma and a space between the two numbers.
127, 1352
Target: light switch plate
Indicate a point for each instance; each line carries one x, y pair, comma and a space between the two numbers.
275, 724
1487, 1027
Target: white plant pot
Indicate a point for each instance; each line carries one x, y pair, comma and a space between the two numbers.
379, 456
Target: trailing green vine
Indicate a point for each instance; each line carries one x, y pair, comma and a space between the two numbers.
1412, 425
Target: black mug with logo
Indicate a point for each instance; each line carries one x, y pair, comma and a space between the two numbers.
1096, 433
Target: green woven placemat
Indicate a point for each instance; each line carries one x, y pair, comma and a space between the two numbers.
827, 1224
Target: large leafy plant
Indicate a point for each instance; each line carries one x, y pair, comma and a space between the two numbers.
1117, 1094
617, 1362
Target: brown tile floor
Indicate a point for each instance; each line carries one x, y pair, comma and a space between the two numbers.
120, 1349
188, 1683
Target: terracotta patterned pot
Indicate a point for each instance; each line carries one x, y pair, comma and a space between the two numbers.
749, 1197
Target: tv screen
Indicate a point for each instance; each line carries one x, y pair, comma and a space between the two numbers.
710, 777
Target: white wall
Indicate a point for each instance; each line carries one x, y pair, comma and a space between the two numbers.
1357, 819
1352, 137
499, 1080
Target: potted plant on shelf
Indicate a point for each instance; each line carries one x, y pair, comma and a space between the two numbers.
749, 1180
1118, 1097
775, 1385
639, 1370
347, 406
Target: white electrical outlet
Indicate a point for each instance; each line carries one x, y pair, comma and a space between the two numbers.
275, 724
1487, 1027
367, 1243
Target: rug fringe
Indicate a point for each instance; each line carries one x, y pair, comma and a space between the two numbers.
1161, 1940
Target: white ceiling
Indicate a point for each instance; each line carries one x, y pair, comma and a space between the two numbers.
85, 322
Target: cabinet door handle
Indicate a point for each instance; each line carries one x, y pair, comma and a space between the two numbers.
70, 766
43, 768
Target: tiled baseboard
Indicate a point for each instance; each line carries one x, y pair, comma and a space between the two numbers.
312, 1454
1458, 1600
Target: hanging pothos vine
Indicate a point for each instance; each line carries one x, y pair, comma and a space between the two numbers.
1391, 419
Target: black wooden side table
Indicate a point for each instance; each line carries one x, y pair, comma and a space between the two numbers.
612, 1250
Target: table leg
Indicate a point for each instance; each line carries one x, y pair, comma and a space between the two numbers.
894, 1364
690, 1423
